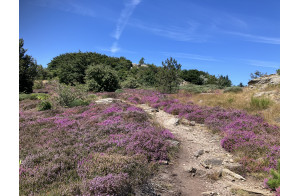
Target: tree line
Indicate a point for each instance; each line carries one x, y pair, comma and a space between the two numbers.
103, 73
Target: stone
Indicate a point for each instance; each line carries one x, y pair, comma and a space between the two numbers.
206, 166
163, 162
173, 143
154, 110
108, 101
174, 121
231, 173
213, 161
198, 153
209, 193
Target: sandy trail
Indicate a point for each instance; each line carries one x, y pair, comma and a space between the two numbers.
206, 174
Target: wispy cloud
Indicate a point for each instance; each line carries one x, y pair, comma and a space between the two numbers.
189, 56
256, 38
66, 6
124, 17
188, 32
259, 63
122, 22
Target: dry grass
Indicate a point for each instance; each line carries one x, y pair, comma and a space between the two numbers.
241, 101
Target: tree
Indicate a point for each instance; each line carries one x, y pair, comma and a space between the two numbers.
70, 67
168, 76
223, 81
27, 69
101, 78
142, 61
241, 84
257, 74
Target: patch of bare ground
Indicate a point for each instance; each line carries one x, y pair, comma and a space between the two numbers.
202, 166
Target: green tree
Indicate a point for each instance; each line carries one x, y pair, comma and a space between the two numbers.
142, 61
27, 69
168, 76
241, 84
70, 67
223, 81
257, 74
101, 78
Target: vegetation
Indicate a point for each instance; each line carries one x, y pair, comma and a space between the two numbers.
168, 76
44, 105
260, 103
101, 78
278, 71
142, 61
208, 88
70, 68
27, 69
67, 95
257, 74
233, 89
130, 82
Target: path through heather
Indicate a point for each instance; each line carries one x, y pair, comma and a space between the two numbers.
206, 174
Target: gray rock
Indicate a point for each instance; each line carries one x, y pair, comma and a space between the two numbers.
173, 143
213, 161
231, 173
210, 193
198, 153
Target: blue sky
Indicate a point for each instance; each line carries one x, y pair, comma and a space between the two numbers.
232, 37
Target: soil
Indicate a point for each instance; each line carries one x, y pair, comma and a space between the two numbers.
199, 167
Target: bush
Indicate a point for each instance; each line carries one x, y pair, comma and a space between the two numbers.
168, 76
79, 102
260, 103
101, 78
44, 105
68, 94
278, 71
130, 82
27, 69
274, 182
199, 88
233, 89
33, 96
38, 84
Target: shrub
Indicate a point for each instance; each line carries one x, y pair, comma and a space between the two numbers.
257, 74
27, 70
33, 96
168, 76
101, 78
130, 82
274, 182
260, 103
44, 105
78, 102
199, 88
68, 94
278, 71
233, 89
38, 84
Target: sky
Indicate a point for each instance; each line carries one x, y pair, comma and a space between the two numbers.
231, 37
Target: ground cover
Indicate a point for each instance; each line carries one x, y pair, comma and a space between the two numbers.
88, 150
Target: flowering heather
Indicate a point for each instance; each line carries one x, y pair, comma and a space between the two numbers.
99, 147
256, 142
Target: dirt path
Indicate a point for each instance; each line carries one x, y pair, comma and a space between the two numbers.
201, 166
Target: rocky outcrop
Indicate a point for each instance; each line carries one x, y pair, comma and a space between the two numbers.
264, 81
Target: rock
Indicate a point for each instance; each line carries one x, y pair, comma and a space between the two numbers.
231, 160
174, 121
108, 100
230, 173
173, 143
154, 110
206, 166
163, 162
213, 161
209, 193
192, 123
233, 166
198, 153
192, 170
264, 81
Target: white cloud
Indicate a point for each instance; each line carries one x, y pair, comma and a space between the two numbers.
256, 38
114, 48
189, 56
124, 17
259, 63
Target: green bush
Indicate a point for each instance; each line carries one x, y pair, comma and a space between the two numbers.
233, 89
130, 82
33, 96
274, 181
199, 88
79, 102
44, 105
168, 76
260, 103
101, 78
68, 94
38, 84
